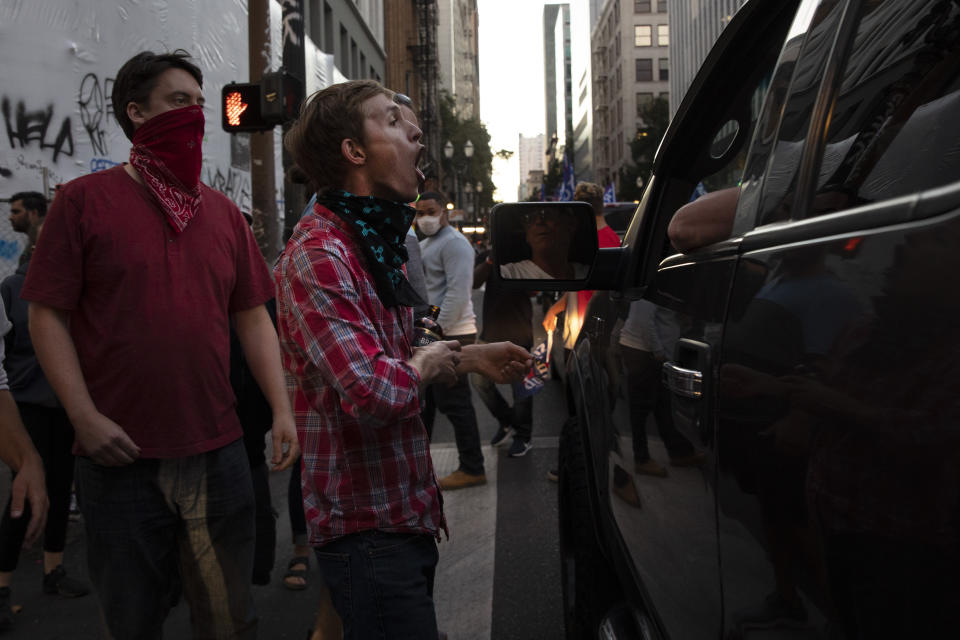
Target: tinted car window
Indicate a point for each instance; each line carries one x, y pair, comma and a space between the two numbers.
895, 126
801, 68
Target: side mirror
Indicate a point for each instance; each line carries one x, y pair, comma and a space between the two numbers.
550, 244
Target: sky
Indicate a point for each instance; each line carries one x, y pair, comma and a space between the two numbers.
511, 81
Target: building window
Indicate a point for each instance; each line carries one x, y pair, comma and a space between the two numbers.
642, 35
661, 6
641, 6
643, 99
664, 64
644, 70
663, 35
664, 95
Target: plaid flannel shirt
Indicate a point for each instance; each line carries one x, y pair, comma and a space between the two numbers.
366, 456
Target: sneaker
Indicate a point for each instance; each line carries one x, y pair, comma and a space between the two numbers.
650, 468
57, 583
519, 448
500, 437
553, 476
693, 460
461, 480
6, 613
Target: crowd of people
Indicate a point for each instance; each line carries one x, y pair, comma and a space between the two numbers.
150, 351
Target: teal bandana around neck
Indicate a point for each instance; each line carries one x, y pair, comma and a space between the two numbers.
382, 227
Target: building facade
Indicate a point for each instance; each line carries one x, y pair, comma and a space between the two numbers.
413, 68
631, 66
558, 86
582, 89
457, 47
696, 26
352, 31
531, 158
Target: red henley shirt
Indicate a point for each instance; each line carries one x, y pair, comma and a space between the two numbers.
149, 309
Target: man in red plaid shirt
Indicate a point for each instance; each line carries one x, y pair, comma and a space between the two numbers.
345, 320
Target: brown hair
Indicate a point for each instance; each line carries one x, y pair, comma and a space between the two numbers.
139, 75
592, 193
328, 118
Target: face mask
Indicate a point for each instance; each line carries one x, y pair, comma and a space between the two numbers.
428, 225
166, 153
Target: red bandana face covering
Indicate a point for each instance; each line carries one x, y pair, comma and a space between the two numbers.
166, 153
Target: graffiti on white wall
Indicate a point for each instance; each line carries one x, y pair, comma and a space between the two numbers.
60, 61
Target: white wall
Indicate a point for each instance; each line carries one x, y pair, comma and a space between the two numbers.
59, 61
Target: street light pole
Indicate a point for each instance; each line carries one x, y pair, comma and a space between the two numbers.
459, 166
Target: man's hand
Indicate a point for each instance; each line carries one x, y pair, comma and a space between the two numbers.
284, 433
502, 362
105, 441
29, 485
437, 362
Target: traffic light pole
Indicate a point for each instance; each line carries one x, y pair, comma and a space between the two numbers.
294, 62
262, 182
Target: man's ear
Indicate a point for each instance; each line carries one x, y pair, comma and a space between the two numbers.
353, 152
135, 113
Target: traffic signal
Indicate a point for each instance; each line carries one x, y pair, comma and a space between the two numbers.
241, 108
260, 106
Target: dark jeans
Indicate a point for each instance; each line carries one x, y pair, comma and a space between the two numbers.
298, 522
265, 549
52, 435
519, 416
647, 393
381, 584
155, 527
456, 403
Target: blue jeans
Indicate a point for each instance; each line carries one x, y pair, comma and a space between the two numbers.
156, 527
381, 584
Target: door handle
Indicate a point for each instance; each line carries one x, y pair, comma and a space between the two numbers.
683, 382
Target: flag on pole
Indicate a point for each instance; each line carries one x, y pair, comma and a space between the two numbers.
609, 194
569, 183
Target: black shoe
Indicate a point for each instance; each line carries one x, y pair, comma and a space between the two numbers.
500, 437
553, 476
6, 613
519, 447
57, 583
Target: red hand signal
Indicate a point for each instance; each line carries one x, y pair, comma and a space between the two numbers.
235, 106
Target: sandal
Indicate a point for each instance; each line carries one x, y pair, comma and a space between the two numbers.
296, 573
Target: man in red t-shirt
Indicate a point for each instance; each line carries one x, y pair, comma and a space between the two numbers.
140, 270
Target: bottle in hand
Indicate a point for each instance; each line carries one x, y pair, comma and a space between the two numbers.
427, 329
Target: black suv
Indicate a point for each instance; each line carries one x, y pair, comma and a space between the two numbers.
765, 431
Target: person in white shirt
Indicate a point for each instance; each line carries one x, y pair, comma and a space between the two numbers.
448, 266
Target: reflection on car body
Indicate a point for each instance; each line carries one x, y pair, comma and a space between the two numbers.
816, 362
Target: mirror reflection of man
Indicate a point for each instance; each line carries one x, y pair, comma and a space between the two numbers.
448, 266
549, 232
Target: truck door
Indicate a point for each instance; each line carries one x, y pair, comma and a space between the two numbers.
662, 454
837, 464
